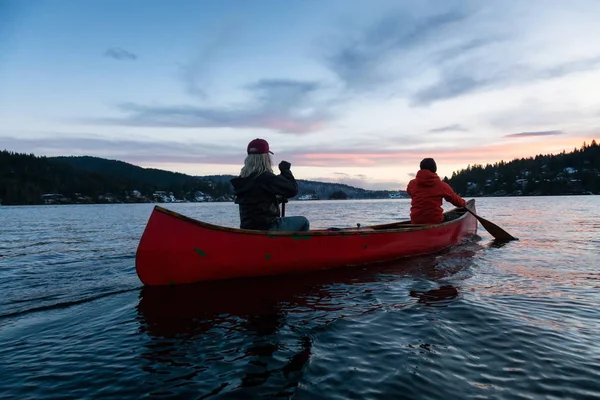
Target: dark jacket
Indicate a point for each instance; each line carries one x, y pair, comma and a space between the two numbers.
427, 192
257, 197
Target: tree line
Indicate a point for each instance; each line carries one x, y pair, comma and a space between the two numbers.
25, 178
577, 172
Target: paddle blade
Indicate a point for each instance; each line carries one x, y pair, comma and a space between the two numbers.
494, 230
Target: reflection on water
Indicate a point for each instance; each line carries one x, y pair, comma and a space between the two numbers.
263, 328
441, 297
249, 314
496, 243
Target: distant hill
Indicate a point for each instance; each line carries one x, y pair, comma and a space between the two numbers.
577, 172
151, 176
149, 180
322, 190
24, 178
27, 179
165, 178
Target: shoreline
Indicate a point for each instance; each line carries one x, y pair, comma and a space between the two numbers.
292, 200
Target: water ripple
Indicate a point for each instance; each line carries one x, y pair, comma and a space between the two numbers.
483, 320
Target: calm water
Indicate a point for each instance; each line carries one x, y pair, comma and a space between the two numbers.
481, 321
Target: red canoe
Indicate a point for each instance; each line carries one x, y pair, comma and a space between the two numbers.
175, 249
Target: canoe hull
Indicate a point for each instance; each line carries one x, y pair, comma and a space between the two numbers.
175, 249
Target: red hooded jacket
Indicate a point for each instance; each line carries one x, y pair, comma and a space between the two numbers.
427, 192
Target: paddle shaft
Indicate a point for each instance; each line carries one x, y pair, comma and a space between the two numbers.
283, 209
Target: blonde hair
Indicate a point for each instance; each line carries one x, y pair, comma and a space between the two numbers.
256, 163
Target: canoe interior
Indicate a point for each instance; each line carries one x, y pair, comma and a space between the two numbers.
449, 217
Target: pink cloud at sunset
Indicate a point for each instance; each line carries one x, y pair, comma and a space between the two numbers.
483, 154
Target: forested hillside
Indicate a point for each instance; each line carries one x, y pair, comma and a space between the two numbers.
27, 179
577, 172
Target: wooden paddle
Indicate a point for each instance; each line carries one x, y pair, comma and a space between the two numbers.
497, 232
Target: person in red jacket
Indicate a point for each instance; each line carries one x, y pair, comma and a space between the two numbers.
426, 192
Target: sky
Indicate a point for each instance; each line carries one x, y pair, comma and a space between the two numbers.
348, 91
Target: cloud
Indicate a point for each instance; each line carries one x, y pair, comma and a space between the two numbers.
475, 75
451, 51
534, 113
286, 106
196, 73
120, 54
222, 152
570, 67
360, 61
169, 152
449, 128
379, 157
428, 58
534, 134
198, 152
453, 84
283, 94
135, 151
